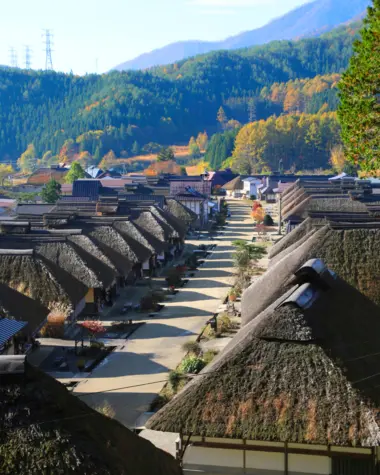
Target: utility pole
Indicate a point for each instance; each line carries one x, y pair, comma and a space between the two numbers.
13, 57
28, 55
48, 42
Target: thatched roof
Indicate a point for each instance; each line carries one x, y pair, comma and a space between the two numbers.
37, 278
73, 439
18, 306
178, 228
141, 252
305, 371
65, 256
129, 228
115, 247
354, 254
181, 211
234, 185
147, 221
295, 235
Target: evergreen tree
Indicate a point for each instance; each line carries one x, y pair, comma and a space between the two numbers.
165, 154
75, 173
135, 148
51, 192
221, 117
359, 110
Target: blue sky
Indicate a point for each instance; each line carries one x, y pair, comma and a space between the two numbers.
114, 31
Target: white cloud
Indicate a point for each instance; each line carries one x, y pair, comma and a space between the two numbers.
220, 11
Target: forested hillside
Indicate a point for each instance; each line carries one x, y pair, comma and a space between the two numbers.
124, 111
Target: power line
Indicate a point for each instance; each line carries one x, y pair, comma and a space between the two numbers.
48, 42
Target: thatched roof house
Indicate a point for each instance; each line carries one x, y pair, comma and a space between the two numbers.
154, 226
112, 243
45, 429
234, 185
354, 254
178, 228
38, 278
180, 211
305, 371
129, 228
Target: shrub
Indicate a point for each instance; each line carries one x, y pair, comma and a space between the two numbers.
174, 379
192, 347
148, 302
174, 278
192, 364
268, 220
107, 410
81, 364
209, 356
253, 197
53, 330
224, 323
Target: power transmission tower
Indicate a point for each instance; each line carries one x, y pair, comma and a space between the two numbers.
48, 42
13, 57
28, 56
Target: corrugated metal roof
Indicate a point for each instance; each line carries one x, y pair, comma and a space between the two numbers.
89, 188
9, 328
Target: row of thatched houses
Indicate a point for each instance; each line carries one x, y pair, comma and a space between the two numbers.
72, 260
297, 391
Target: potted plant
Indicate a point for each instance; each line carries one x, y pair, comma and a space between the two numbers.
232, 296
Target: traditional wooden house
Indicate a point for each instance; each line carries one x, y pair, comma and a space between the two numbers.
39, 412
295, 392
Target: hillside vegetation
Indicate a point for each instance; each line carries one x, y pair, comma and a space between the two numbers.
124, 111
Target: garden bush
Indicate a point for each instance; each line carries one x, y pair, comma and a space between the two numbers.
192, 347
268, 220
192, 364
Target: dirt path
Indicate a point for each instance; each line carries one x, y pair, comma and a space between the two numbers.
141, 365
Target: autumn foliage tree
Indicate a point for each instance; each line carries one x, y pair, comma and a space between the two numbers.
28, 160
258, 215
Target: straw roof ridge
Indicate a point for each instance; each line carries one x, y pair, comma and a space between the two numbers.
155, 244
141, 252
290, 375
66, 257
295, 185
354, 254
80, 441
180, 211
292, 246
130, 228
290, 197
120, 261
292, 237
105, 274
112, 238
235, 184
296, 207
153, 225
85, 242
179, 227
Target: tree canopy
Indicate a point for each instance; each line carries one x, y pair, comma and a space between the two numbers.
359, 111
75, 173
51, 192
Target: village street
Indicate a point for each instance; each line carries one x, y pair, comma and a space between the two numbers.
141, 364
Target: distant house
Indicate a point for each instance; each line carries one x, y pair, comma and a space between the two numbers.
43, 175
220, 178
250, 185
179, 185
235, 187
94, 172
296, 391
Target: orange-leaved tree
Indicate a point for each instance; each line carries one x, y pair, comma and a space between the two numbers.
258, 215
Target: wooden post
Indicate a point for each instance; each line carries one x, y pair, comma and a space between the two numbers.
280, 215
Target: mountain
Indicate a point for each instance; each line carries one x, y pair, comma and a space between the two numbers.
311, 19
124, 111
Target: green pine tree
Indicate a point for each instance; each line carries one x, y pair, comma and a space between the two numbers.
359, 110
51, 192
